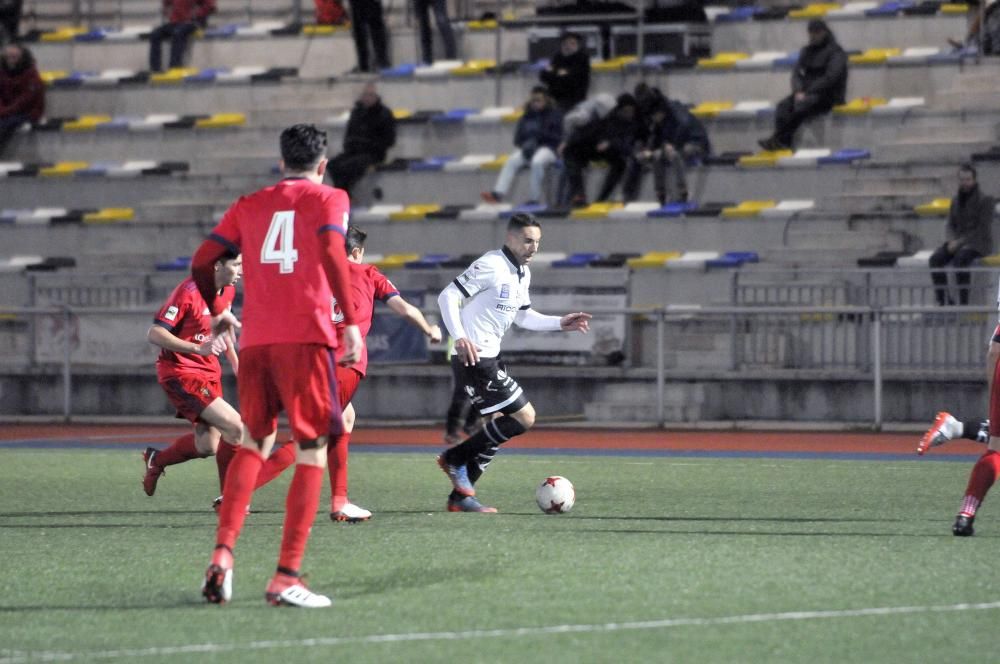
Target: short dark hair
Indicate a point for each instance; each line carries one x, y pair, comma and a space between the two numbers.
302, 147
229, 255
968, 168
521, 220
540, 90
355, 238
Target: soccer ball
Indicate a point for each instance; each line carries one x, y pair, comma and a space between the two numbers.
555, 495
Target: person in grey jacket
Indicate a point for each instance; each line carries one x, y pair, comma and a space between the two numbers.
969, 236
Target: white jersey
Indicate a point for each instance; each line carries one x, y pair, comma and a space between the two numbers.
496, 288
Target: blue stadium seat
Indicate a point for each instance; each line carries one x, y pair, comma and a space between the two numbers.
428, 261
674, 210
582, 259
845, 156
177, 264
399, 71
454, 115
733, 259
431, 163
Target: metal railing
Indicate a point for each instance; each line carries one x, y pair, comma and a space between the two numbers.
731, 343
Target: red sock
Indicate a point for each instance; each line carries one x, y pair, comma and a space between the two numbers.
982, 477
181, 450
300, 512
336, 463
223, 456
236, 495
280, 459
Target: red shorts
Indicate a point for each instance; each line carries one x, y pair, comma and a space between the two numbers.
297, 378
191, 394
347, 384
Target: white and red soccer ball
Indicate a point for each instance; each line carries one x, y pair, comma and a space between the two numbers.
555, 495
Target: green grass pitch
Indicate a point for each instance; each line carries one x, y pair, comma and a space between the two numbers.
663, 559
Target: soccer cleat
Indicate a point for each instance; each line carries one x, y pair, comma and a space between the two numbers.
963, 526
350, 513
217, 505
458, 475
941, 432
296, 595
469, 504
153, 471
217, 587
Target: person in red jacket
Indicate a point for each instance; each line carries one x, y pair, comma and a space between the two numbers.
183, 18
22, 93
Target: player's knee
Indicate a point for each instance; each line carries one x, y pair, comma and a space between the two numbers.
525, 416
232, 431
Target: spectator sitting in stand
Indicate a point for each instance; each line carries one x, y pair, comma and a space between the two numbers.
22, 93
183, 18
969, 233
537, 137
611, 139
673, 138
819, 82
568, 75
371, 131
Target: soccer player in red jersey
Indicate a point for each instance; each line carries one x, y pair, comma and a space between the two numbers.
291, 235
368, 285
189, 372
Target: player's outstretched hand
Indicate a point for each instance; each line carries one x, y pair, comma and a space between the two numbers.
435, 335
466, 351
352, 345
578, 321
211, 347
225, 321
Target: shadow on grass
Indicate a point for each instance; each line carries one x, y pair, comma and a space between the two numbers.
696, 519
765, 533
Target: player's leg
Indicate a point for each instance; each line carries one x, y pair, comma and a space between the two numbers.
275, 464
227, 433
986, 470
946, 428
341, 509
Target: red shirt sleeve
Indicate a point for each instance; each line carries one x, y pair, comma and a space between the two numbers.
173, 311
384, 289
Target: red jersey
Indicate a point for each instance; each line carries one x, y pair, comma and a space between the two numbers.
287, 298
186, 316
367, 285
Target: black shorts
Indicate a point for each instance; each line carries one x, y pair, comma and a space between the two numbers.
489, 386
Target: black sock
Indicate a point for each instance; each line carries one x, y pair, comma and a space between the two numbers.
477, 466
493, 434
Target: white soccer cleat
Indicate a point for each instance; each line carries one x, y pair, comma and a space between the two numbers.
350, 513
298, 595
945, 428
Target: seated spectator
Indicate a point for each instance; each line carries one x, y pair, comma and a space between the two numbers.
819, 82
568, 74
673, 138
969, 236
440, 9
371, 131
10, 20
183, 18
611, 139
368, 21
537, 137
22, 93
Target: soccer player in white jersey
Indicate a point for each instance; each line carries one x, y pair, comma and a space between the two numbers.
478, 307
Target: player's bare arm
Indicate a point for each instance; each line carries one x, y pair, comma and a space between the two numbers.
414, 317
352, 345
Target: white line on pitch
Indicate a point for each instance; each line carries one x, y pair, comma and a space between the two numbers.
204, 648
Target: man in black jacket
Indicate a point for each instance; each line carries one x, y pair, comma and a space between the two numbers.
568, 75
371, 131
611, 139
819, 82
969, 233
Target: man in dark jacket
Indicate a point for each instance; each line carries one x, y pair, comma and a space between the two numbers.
568, 75
183, 18
22, 93
673, 138
611, 139
537, 137
371, 131
969, 233
819, 82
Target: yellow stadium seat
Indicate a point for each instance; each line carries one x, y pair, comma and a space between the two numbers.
709, 109
859, 106
219, 120
512, 117
763, 159
747, 209
109, 215
487, 24
64, 34
991, 261
402, 113
49, 76
173, 76
86, 123
63, 169
874, 56
318, 30
652, 259
473, 68
595, 210
393, 261
494, 165
614, 64
813, 10
954, 8
937, 208
414, 212
724, 60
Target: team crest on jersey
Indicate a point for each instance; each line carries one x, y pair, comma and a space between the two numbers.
505, 292
205, 393
171, 313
